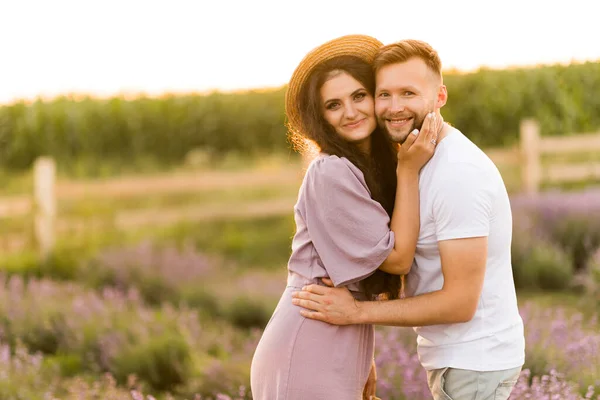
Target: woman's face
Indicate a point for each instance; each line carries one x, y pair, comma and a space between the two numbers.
349, 108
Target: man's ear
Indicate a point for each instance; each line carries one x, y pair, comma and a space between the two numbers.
442, 97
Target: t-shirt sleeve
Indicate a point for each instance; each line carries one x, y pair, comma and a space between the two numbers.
462, 204
349, 230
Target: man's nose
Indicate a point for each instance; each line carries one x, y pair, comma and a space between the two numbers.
396, 105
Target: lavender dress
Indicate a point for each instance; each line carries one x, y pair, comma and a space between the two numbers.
343, 234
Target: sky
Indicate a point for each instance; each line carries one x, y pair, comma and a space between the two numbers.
108, 47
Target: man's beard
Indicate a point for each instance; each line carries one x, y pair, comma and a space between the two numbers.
417, 123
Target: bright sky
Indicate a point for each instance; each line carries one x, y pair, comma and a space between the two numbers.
48, 47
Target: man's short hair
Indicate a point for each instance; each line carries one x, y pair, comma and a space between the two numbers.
404, 50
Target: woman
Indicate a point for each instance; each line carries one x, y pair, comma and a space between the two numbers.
343, 227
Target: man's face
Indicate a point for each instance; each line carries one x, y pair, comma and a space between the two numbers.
406, 92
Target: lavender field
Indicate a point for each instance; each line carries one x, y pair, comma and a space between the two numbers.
178, 316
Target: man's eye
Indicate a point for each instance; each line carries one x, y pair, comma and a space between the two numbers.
383, 95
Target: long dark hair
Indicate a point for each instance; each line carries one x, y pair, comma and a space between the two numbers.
378, 168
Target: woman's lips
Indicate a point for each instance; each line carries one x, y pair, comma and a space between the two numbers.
355, 124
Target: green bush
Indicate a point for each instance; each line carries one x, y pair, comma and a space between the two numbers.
488, 105
62, 264
44, 336
153, 289
252, 242
117, 131
243, 311
589, 280
106, 134
578, 235
538, 264
163, 362
205, 301
24, 375
222, 377
25, 264
68, 364
554, 267
38, 329
570, 221
246, 312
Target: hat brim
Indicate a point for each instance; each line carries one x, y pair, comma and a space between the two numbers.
360, 46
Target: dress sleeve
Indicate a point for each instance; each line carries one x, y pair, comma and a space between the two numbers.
349, 230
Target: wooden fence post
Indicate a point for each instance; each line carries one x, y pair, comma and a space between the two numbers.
45, 204
531, 169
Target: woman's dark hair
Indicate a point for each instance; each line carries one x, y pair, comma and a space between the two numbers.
378, 168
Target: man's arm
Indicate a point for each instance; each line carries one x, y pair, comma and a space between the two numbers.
463, 268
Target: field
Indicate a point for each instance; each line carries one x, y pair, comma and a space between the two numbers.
151, 266
174, 307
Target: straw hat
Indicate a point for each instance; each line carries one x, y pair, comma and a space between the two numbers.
360, 46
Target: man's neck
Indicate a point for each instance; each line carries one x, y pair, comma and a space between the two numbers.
444, 131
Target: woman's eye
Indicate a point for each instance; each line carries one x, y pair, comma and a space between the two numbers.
360, 96
332, 106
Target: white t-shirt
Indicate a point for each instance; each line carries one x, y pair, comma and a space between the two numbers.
462, 195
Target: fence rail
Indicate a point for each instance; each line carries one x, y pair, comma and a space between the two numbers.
527, 157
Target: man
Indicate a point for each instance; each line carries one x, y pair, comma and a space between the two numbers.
460, 291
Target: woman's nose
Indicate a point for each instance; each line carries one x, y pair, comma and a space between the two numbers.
351, 112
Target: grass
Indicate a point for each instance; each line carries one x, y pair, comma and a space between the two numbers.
574, 302
16, 225
95, 216
263, 242
511, 174
14, 183
574, 157
21, 182
110, 206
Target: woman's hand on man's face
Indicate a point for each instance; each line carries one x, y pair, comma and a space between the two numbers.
419, 146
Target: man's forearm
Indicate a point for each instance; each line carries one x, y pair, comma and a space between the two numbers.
435, 308
463, 268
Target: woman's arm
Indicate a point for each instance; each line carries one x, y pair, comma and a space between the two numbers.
405, 224
412, 155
